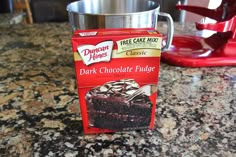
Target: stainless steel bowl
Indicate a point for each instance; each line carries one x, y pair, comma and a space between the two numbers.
94, 14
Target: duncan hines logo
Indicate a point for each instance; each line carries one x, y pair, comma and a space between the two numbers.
96, 53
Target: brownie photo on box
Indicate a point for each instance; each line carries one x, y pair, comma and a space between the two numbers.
108, 108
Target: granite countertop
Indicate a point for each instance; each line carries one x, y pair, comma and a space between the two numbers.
7, 19
39, 112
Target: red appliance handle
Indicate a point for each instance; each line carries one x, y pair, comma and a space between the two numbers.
225, 26
224, 12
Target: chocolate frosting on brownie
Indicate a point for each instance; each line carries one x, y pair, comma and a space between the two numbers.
120, 89
109, 103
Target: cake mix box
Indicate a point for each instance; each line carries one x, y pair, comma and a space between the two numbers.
117, 74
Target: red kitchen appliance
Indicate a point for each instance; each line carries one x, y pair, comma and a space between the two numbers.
217, 50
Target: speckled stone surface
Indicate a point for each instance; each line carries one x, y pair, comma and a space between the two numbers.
11, 18
39, 112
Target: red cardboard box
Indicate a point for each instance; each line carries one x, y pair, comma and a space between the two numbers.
111, 65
